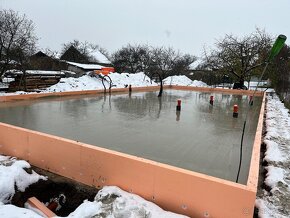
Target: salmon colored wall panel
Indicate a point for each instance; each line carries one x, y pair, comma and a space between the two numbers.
253, 177
55, 154
111, 168
204, 195
11, 139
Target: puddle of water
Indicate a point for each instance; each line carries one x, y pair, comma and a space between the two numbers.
201, 138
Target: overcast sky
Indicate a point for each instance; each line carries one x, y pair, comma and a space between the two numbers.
187, 25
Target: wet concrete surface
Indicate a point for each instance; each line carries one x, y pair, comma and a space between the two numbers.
201, 137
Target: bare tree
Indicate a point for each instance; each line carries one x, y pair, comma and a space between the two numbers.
151, 60
17, 39
240, 56
132, 58
279, 73
163, 60
182, 64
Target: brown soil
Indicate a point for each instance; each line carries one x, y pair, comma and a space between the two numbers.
55, 185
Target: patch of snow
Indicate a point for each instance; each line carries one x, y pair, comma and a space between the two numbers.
136, 80
111, 201
37, 211
97, 56
13, 175
3, 85
86, 66
268, 210
87, 209
273, 152
122, 80
124, 204
33, 72
274, 176
87, 82
195, 64
255, 83
183, 81
11, 211
275, 202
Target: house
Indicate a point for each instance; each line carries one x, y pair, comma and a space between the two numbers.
96, 57
93, 57
73, 55
41, 61
80, 63
81, 69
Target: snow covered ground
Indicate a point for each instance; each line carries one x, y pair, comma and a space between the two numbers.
275, 202
121, 204
91, 83
13, 177
122, 80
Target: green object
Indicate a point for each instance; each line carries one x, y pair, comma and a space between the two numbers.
278, 45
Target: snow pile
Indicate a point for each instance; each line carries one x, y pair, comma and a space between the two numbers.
111, 201
136, 80
3, 85
122, 80
13, 175
87, 82
275, 202
11, 211
183, 81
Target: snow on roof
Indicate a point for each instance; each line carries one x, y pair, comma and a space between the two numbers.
9, 62
97, 56
86, 66
32, 72
195, 64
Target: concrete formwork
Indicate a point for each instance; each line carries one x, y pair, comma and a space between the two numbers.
172, 188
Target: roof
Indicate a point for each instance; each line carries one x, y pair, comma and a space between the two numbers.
195, 64
86, 66
97, 56
39, 55
72, 54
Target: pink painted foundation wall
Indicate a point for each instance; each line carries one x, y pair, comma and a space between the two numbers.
172, 188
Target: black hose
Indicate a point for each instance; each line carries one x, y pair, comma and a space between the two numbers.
245, 121
241, 151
